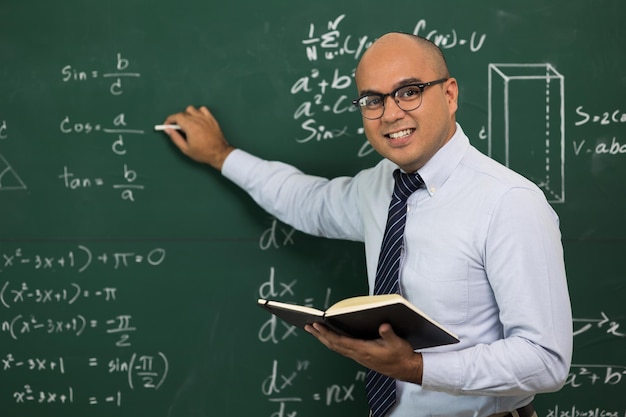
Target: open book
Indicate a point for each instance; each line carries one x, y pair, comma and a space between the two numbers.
360, 317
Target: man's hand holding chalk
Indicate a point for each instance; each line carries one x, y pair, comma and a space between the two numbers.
198, 135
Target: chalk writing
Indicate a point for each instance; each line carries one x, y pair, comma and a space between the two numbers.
9, 180
602, 147
575, 411
121, 325
317, 86
544, 136
70, 320
121, 70
128, 186
115, 399
313, 84
280, 386
21, 294
276, 383
612, 146
273, 329
36, 364
22, 325
604, 323
79, 259
73, 182
269, 289
276, 236
595, 374
450, 38
331, 45
336, 394
120, 127
604, 118
143, 370
28, 394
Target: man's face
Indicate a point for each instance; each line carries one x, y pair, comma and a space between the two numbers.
410, 138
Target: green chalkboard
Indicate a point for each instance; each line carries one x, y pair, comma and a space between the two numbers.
129, 274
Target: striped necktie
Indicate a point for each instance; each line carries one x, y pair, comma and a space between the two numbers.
380, 389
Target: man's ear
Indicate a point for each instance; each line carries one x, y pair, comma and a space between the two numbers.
452, 94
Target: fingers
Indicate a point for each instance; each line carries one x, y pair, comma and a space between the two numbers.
205, 111
175, 136
187, 120
389, 355
192, 110
343, 344
346, 346
386, 332
178, 140
201, 138
318, 331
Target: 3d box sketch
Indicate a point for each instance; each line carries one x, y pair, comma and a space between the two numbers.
527, 123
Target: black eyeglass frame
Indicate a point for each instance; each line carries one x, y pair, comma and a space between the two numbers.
420, 86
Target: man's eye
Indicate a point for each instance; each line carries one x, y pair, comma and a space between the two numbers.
408, 92
373, 101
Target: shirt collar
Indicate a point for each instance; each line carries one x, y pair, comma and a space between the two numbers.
439, 168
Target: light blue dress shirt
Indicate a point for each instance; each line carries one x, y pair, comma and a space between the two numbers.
483, 257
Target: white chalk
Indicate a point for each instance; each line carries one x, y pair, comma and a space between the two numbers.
163, 127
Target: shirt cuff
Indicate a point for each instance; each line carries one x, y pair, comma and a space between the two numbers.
238, 165
442, 371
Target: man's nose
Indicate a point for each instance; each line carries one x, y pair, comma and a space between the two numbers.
392, 111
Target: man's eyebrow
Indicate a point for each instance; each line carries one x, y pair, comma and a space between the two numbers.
399, 84
408, 81
369, 92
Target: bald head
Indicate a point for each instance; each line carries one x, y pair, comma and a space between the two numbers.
432, 56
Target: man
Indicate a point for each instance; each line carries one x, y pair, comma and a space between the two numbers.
482, 252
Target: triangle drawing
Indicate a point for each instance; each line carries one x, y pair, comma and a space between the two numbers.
9, 180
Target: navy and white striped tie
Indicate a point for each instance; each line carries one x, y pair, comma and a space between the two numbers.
380, 389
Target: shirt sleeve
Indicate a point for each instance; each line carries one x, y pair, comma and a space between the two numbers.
524, 265
311, 204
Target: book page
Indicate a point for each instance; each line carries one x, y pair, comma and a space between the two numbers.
291, 307
364, 302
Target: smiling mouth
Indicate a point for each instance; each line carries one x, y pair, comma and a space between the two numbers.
400, 134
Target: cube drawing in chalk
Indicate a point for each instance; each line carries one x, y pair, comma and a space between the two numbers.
527, 123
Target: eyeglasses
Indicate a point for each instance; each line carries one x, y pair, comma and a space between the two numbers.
408, 98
